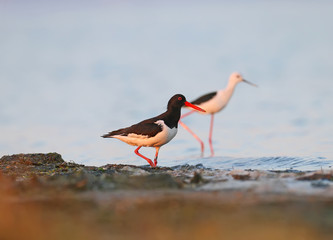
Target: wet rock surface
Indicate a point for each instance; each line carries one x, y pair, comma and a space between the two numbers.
30, 171
122, 200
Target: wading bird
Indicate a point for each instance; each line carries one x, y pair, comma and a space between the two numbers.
212, 103
156, 131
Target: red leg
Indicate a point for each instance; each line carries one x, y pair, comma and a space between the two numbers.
148, 160
194, 135
210, 135
156, 155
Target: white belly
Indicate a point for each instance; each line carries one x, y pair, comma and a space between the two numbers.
158, 140
216, 104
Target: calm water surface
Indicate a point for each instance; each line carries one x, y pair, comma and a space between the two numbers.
70, 72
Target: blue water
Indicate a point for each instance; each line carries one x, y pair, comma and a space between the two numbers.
71, 71
257, 163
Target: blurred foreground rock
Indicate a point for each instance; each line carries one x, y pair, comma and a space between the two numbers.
73, 201
49, 171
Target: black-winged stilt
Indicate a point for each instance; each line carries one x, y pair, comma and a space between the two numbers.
156, 131
212, 103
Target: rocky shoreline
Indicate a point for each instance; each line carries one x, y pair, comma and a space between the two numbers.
114, 200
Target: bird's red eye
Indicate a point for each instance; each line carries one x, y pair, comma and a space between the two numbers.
180, 98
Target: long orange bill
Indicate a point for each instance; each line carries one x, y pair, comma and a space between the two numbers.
193, 106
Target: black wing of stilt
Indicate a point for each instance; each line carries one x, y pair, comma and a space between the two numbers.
204, 98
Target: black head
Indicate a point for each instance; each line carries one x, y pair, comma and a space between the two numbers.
172, 115
177, 101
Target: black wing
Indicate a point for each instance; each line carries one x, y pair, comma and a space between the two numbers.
147, 127
204, 98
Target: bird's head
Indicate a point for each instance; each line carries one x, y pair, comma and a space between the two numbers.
237, 78
178, 101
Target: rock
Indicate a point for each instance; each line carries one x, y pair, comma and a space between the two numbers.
197, 178
135, 171
320, 184
240, 175
152, 181
33, 159
317, 176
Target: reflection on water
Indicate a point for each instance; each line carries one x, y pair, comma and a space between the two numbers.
70, 74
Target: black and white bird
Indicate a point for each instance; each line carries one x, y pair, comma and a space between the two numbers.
156, 131
213, 103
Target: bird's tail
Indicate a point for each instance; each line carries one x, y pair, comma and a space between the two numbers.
113, 133
108, 135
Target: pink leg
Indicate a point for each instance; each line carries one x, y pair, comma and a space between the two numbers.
156, 155
186, 114
148, 160
210, 135
194, 135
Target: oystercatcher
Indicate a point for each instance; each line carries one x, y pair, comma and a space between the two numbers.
156, 131
212, 103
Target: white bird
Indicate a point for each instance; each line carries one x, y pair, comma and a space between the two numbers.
213, 103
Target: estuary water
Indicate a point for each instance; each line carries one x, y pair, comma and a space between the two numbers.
71, 71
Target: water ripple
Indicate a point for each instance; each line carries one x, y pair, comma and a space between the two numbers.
262, 163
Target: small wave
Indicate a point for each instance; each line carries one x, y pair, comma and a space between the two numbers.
261, 163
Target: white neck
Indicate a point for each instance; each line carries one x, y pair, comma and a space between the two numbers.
229, 90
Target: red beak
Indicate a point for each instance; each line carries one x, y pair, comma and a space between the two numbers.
193, 106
